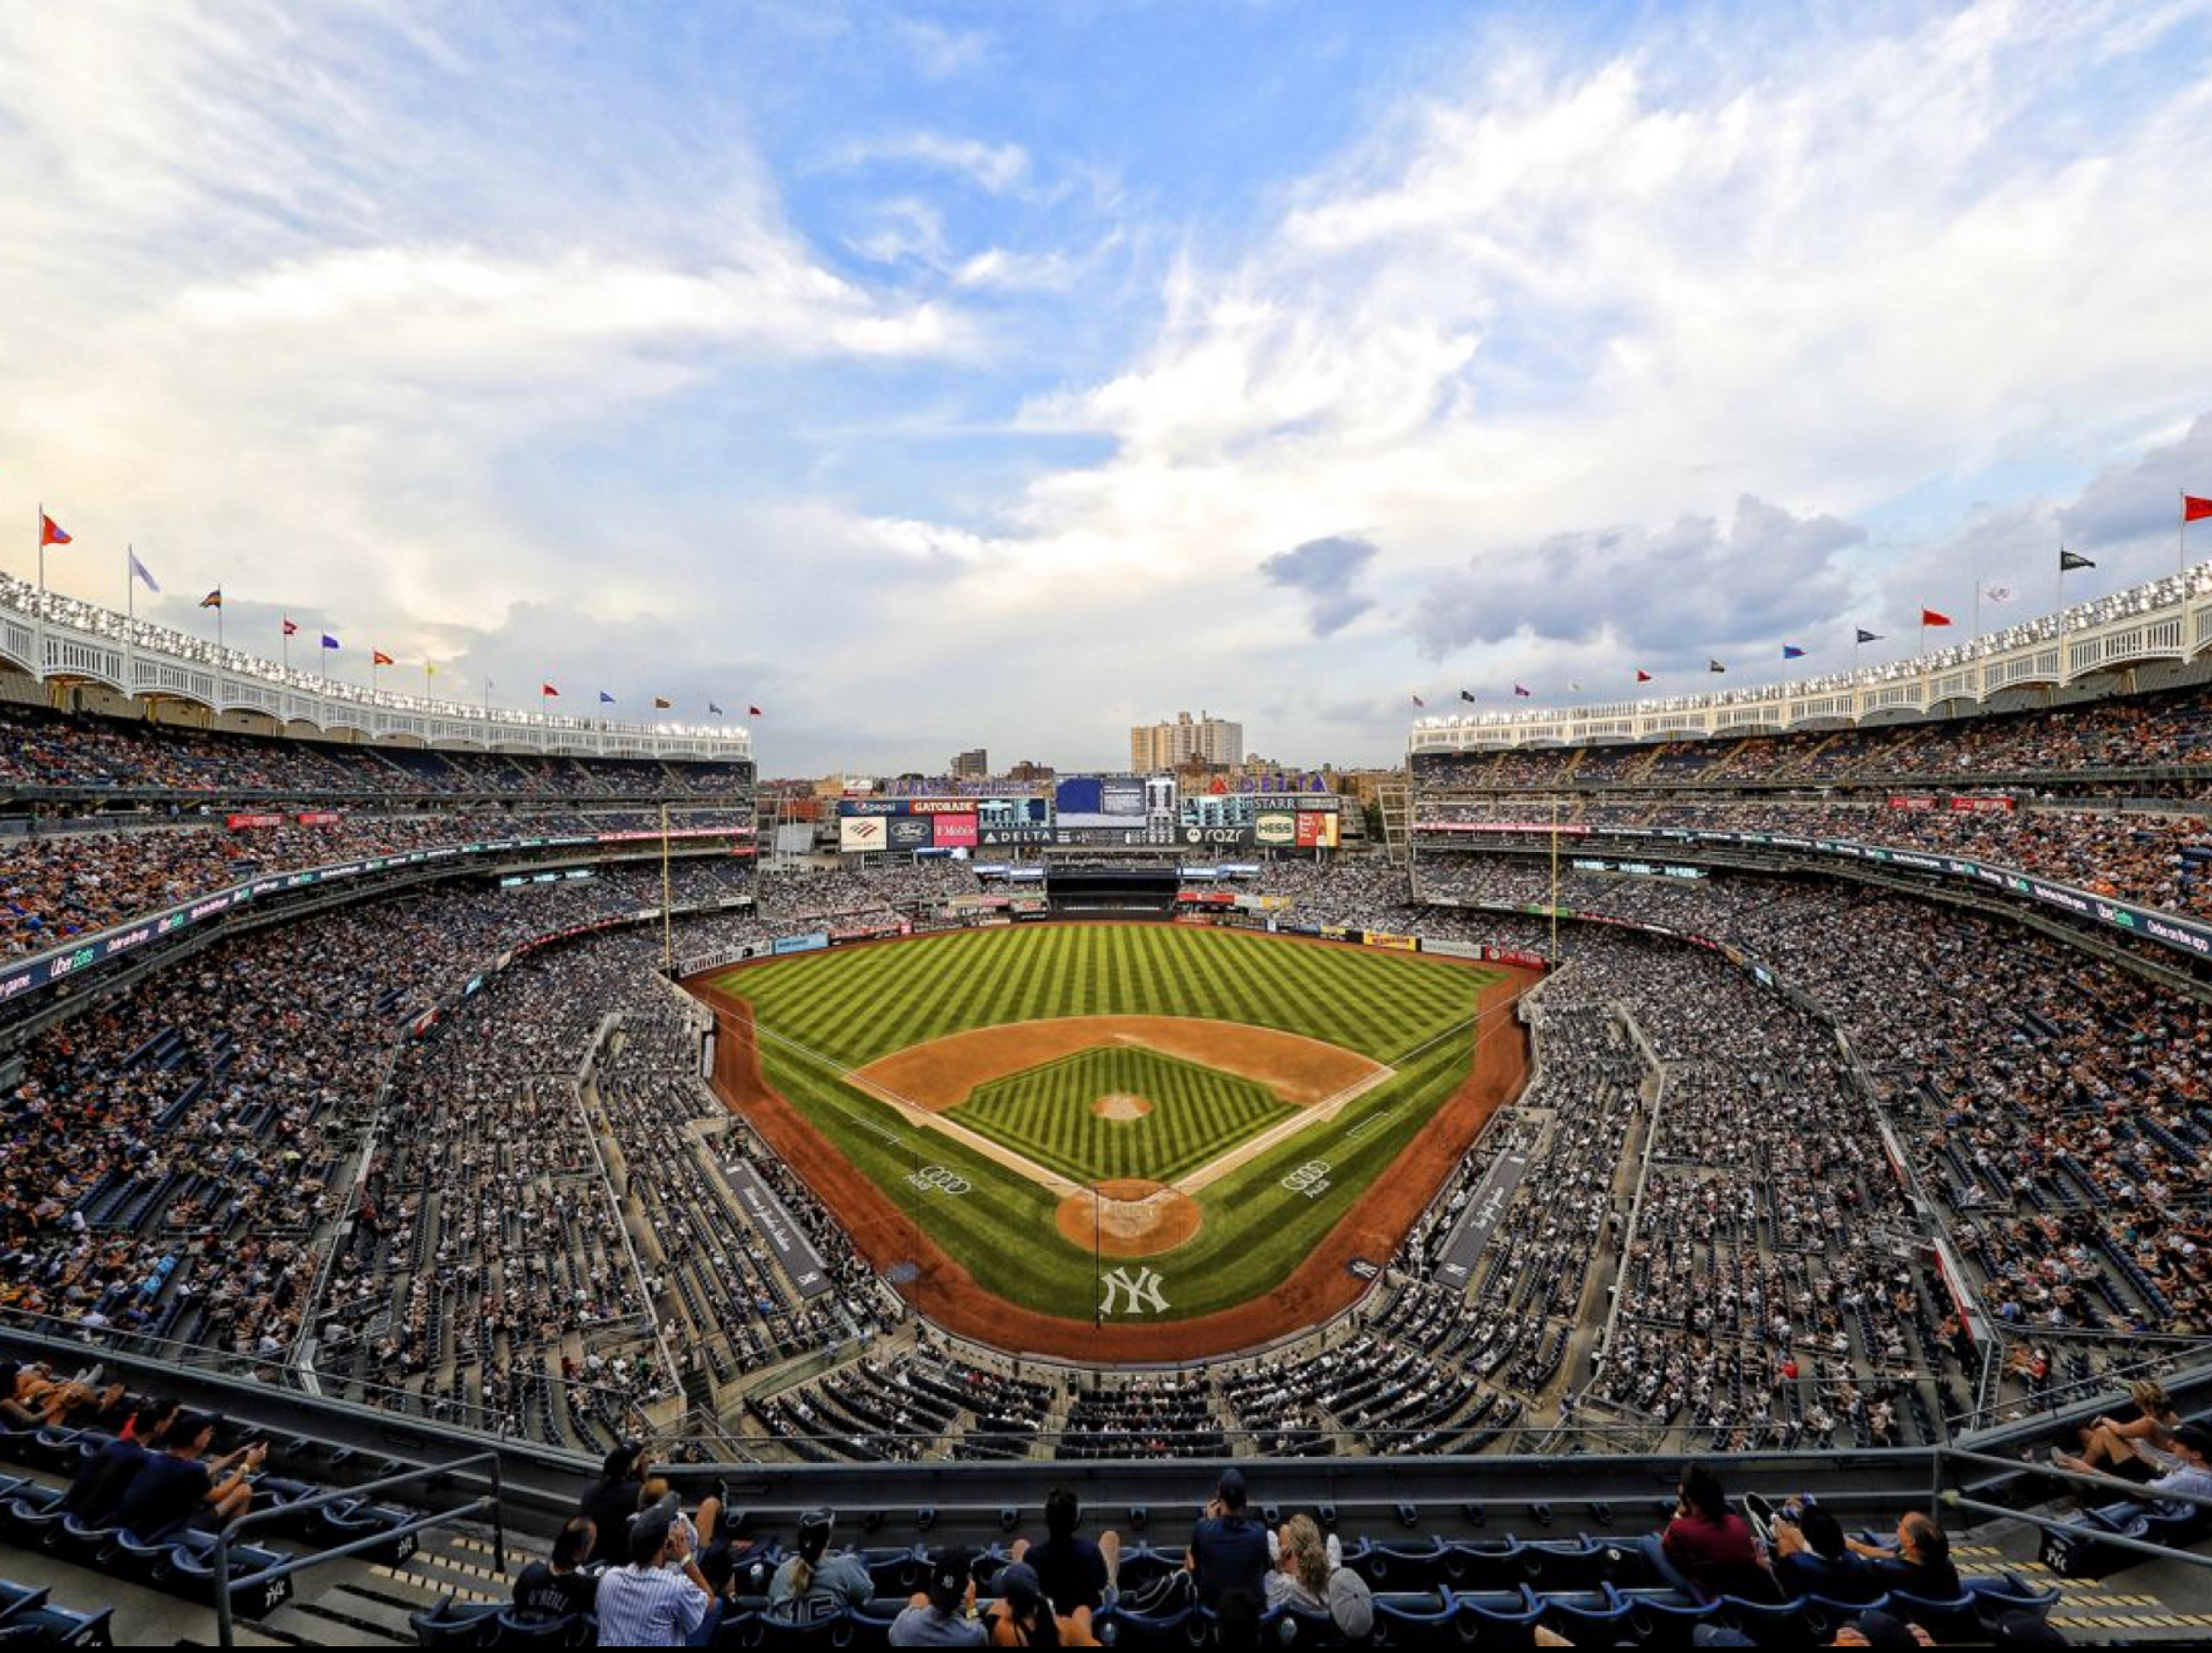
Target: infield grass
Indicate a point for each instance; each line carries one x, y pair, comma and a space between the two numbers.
1050, 1113
820, 1013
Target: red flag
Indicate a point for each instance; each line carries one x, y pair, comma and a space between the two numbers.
291, 627
378, 657
1929, 617
548, 690
50, 531
2194, 509
1643, 675
754, 711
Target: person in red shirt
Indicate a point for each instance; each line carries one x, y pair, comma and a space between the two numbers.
1708, 1544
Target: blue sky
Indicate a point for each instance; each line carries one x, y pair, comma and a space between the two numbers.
931, 375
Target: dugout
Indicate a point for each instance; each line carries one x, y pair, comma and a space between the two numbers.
1112, 891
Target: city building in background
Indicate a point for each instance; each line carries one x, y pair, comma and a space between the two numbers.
972, 765
1206, 739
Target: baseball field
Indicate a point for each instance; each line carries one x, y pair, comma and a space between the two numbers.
1157, 1140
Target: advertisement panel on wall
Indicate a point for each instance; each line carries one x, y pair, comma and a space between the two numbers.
908, 832
859, 833
1276, 828
1316, 830
956, 831
1077, 794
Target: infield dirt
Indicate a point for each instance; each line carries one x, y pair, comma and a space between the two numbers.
1318, 1287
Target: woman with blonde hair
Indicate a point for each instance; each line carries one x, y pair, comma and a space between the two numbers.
1300, 1578
2132, 1451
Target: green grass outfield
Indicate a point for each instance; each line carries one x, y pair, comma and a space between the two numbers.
1049, 1114
821, 1012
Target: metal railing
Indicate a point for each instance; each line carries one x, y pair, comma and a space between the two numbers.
486, 1504
1953, 1498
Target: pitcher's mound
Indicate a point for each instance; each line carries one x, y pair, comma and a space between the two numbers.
1135, 1219
1122, 1105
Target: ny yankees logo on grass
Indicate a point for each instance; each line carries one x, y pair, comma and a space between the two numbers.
1143, 1293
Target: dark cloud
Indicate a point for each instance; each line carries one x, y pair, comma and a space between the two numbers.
2126, 503
1667, 593
1325, 570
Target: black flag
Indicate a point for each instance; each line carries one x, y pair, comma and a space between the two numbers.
2069, 560
1466, 696
1866, 636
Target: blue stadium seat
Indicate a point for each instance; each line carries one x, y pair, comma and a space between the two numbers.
1413, 1618
1956, 1621
1770, 1623
1287, 1626
1591, 1618
2009, 1593
1415, 1566
1118, 1627
1496, 1617
1662, 1615
450, 1624
1486, 1565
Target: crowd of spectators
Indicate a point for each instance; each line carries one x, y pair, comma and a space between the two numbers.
55, 886
2154, 857
85, 757
2066, 744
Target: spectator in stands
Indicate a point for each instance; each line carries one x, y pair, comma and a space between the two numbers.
1074, 1572
2190, 1451
1918, 1562
1024, 1616
807, 1587
562, 1588
99, 1486
1813, 1557
611, 1500
660, 1599
1309, 1577
1708, 1544
2109, 1447
1227, 1550
944, 1614
173, 1488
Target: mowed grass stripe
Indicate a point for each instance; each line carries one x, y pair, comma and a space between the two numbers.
952, 982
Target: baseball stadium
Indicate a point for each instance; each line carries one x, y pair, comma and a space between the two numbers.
1638, 1071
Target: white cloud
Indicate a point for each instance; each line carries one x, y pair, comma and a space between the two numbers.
939, 52
995, 168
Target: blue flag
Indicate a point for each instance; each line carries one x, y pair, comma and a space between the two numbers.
1791, 652
715, 710
605, 699
329, 642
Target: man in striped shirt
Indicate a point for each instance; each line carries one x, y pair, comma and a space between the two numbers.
660, 1599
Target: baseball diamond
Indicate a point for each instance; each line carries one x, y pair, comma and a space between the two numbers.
1053, 1114
852, 1063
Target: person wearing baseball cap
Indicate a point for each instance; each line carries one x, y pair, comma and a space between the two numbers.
1024, 1617
1227, 1550
943, 1615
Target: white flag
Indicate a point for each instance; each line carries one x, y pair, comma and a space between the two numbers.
1999, 593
